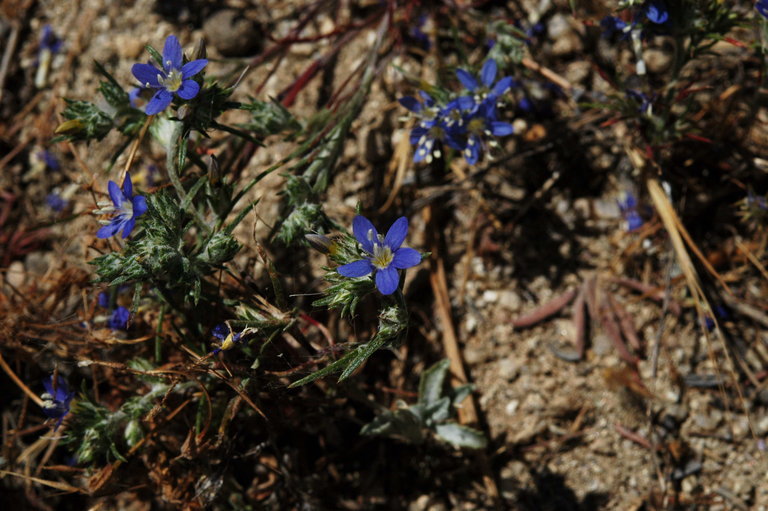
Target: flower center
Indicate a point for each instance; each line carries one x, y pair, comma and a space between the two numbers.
476, 125
382, 256
173, 81
126, 209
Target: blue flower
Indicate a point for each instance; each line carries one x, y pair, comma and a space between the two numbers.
613, 25
656, 11
386, 254
646, 102
174, 78
55, 202
629, 209
49, 41
756, 202
431, 129
417, 34
762, 8
56, 399
486, 87
119, 318
49, 159
483, 123
227, 337
134, 95
127, 208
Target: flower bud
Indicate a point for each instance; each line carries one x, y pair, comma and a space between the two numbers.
214, 170
200, 50
70, 127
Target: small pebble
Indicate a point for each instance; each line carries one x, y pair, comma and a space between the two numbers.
232, 34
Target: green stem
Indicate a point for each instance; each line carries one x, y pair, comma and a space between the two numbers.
158, 340
172, 164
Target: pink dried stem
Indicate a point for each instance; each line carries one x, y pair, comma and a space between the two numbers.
627, 325
652, 292
611, 325
631, 435
580, 321
548, 309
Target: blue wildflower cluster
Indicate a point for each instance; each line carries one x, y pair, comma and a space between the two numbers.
467, 123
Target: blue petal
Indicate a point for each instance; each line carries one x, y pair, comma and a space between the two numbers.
416, 134
220, 331
387, 280
634, 221
192, 68
189, 89
466, 79
159, 102
133, 96
359, 268
428, 100
48, 384
656, 12
454, 140
396, 234
502, 86
364, 232
171, 53
119, 319
127, 186
147, 74
488, 73
110, 229
405, 258
115, 194
419, 155
103, 300
139, 206
501, 129
466, 102
411, 103
472, 151
612, 24
128, 226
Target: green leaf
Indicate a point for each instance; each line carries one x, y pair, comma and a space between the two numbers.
401, 424
461, 436
269, 118
116, 453
193, 191
461, 392
239, 218
348, 362
88, 121
156, 56
431, 384
111, 89
362, 354
437, 411
329, 369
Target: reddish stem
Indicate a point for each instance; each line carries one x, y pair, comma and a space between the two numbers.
548, 309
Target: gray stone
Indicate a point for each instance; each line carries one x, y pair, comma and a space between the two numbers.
232, 34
